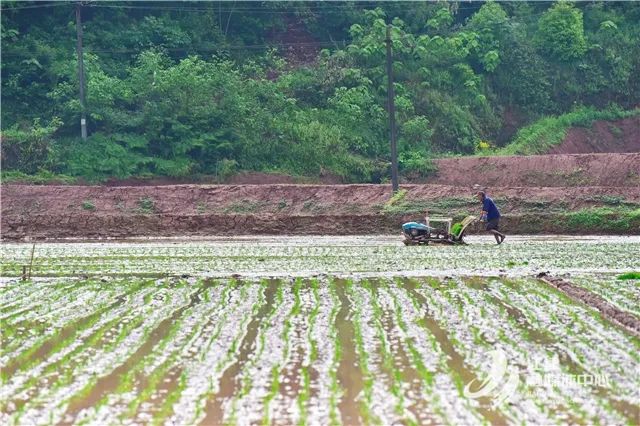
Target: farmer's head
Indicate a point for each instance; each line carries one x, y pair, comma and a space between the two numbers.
480, 195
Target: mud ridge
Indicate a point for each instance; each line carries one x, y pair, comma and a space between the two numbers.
54, 227
625, 319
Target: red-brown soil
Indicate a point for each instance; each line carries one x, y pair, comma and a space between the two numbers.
310, 200
621, 170
603, 136
98, 211
533, 194
614, 169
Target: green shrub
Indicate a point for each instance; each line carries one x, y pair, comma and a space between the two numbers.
41, 177
603, 219
29, 150
88, 205
415, 165
225, 169
587, 219
101, 157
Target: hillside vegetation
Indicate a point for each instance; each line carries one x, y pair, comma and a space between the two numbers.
187, 89
548, 132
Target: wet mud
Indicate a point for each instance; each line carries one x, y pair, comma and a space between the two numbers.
395, 357
108, 384
455, 361
231, 380
349, 371
54, 212
625, 319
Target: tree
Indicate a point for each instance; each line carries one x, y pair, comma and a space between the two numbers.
561, 32
490, 24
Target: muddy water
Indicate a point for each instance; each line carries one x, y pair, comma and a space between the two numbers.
624, 408
349, 372
405, 372
109, 383
230, 382
455, 361
67, 332
368, 316
536, 335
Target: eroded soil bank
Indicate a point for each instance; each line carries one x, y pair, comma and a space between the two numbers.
560, 170
568, 194
98, 211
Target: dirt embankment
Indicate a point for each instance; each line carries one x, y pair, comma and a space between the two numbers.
98, 211
603, 136
620, 170
306, 200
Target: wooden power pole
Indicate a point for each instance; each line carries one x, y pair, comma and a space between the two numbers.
83, 101
392, 114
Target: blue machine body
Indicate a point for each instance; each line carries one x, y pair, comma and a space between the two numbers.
414, 230
407, 227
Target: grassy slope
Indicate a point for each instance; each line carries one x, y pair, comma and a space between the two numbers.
547, 132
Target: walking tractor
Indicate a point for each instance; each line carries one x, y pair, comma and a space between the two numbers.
416, 233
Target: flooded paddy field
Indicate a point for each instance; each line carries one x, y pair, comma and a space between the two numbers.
346, 330
313, 255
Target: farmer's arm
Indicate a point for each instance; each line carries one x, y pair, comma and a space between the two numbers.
485, 209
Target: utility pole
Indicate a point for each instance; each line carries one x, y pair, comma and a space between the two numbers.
392, 114
83, 101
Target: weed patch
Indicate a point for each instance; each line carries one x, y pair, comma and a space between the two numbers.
201, 207
245, 206
40, 178
629, 276
88, 205
397, 198
603, 220
444, 206
146, 205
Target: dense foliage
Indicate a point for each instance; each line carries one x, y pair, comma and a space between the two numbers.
183, 89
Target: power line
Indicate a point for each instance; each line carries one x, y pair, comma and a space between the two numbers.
202, 49
36, 6
230, 47
336, 43
287, 10
356, 7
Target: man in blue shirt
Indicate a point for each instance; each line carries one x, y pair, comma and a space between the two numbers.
491, 215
